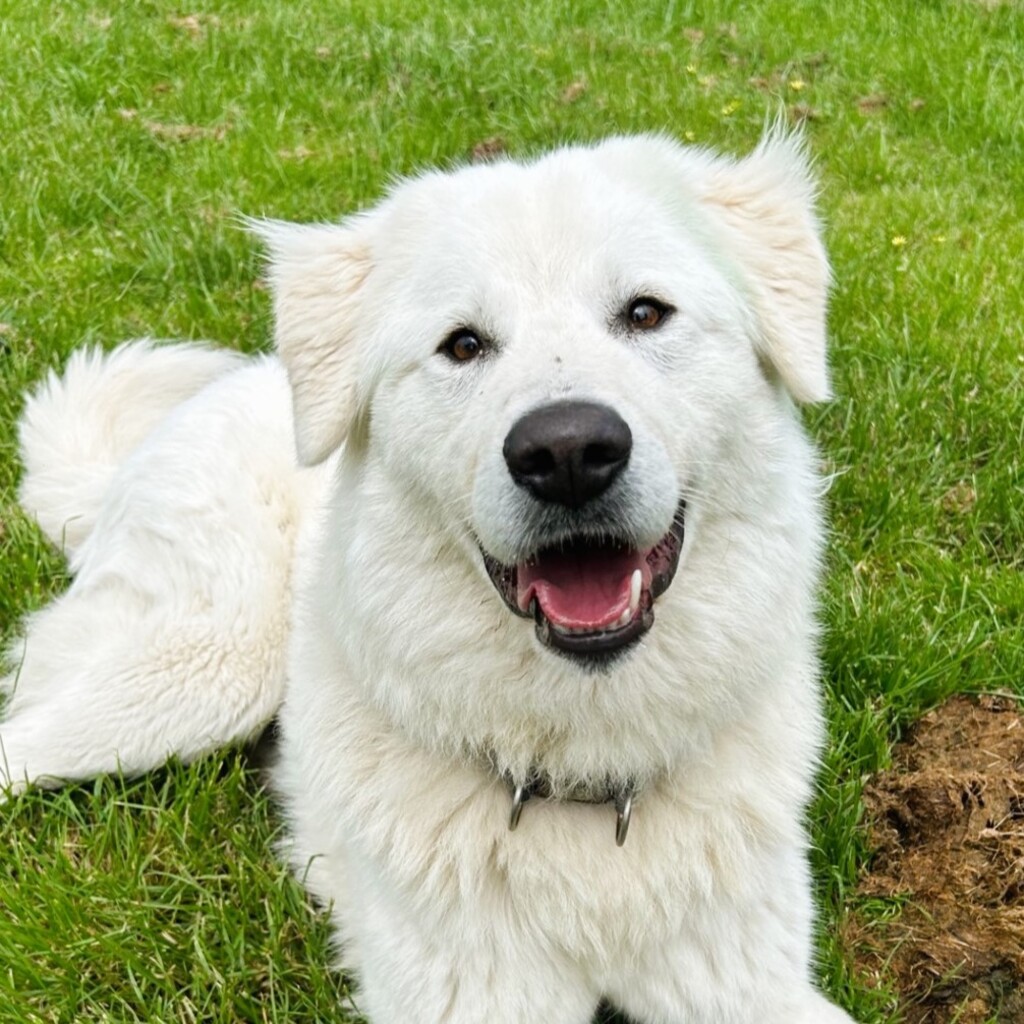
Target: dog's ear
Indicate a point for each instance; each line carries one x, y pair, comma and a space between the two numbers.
765, 203
315, 273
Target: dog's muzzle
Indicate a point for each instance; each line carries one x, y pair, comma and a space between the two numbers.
591, 593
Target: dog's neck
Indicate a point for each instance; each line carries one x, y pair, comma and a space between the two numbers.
536, 785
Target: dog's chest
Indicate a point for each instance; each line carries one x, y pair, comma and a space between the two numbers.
561, 875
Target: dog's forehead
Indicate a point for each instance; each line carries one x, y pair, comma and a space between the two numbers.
572, 204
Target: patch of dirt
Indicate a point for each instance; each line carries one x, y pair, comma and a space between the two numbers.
194, 24
185, 132
801, 112
489, 149
571, 93
873, 104
960, 499
947, 827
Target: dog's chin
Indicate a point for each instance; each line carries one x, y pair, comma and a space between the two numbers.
591, 599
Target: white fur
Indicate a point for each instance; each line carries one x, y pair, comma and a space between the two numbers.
171, 638
410, 684
79, 426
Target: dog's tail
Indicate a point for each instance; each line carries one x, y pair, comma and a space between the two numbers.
80, 425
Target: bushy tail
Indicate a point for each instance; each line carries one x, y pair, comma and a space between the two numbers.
80, 425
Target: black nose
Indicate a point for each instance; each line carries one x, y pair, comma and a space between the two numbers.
568, 452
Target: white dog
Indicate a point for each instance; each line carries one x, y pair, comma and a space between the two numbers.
551, 718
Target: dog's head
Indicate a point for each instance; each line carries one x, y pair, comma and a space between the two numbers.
552, 361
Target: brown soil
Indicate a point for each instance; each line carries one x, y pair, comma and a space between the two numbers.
947, 828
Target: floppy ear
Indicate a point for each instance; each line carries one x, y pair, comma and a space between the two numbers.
765, 203
315, 273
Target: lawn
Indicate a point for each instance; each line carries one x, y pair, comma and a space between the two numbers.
135, 135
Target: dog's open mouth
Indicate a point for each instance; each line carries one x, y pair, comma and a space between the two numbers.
590, 598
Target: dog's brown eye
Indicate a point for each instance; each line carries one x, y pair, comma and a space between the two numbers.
645, 314
462, 346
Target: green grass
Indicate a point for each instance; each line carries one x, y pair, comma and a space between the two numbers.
135, 133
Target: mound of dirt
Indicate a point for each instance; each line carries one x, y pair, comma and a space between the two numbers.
947, 828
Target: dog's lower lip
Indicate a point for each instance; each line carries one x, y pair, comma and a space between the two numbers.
599, 643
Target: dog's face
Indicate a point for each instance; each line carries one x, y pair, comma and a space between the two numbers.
554, 360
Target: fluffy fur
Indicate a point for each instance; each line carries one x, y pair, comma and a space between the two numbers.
411, 688
171, 638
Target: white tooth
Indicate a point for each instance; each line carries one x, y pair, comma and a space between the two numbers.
634, 592
623, 619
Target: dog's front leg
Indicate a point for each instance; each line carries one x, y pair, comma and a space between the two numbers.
732, 962
410, 976
801, 1005
463, 988
784, 998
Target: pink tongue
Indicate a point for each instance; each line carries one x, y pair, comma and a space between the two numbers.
581, 589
